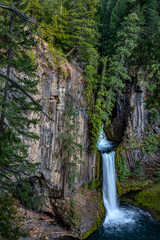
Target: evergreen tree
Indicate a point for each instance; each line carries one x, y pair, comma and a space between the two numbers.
10, 221
70, 148
116, 11
18, 64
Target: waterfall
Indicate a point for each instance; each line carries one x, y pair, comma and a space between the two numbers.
109, 174
115, 215
125, 221
109, 182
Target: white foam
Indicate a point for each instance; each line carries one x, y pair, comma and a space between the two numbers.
115, 216
120, 217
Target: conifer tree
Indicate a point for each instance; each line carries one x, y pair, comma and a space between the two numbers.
17, 64
70, 148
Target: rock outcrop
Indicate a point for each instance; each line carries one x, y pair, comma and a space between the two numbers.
58, 84
56, 87
132, 127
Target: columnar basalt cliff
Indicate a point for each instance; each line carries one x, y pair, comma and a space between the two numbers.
131, 127
57, 86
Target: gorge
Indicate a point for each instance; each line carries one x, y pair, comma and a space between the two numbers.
79, 119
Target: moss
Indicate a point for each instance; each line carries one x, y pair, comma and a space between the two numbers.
94, 228
98, 168
120, 152
132, 185
119, 189
91, 184
149, 200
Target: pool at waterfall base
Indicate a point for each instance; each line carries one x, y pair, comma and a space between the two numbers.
128, 223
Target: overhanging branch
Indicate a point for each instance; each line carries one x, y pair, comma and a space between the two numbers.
26, 93
20, 14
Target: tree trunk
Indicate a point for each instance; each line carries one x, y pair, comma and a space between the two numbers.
64, 179
8, 73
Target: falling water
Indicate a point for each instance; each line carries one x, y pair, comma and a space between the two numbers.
114, 214
109, 175
109, 182
122, 222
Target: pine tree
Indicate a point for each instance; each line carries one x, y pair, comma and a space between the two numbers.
113, 80
116, 11
10, 221
70, 148
17, 64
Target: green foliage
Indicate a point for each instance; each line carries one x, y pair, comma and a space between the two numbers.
97, 113
132, 185
154, 114
113, 81
130, 36
153, 86
118, 68
91, 184
137, 170
123, 172
149, 199
73, 216
28, 195
18, 63
157, 176
150, 144
15, 125
71, 149
10, 222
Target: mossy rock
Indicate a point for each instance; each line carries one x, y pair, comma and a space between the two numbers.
147, 199
83, 213
132, 185
111, 131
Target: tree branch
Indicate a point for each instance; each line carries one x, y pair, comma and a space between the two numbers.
70, 51
24, 18
26, 93
20, 14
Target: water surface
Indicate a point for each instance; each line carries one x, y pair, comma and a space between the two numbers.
128, 223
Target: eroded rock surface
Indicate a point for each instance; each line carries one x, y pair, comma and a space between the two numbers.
130, 127
57, 86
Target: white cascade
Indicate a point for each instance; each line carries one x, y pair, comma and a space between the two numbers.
115, 216
109, 174
109, 182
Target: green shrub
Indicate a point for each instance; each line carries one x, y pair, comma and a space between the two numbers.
123, 172
137, 170
10, 221
150, 144
154, 114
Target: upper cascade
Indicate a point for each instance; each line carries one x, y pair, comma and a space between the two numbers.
103, 144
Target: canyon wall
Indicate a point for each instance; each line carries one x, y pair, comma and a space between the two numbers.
80, 209
134, 130
57, 86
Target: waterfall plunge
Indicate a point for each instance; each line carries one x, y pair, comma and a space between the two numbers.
109, 182
109, 174
115, 216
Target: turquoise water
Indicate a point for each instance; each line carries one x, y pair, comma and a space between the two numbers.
133, 224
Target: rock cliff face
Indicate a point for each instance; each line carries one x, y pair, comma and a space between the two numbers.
130, 127
57, 86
